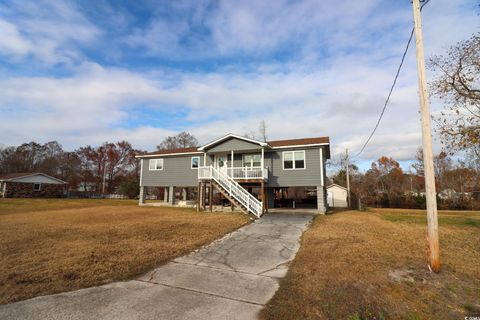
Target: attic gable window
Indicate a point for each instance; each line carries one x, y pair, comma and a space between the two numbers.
294, 160
155, 164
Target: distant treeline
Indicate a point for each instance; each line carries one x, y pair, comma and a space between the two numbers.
385, 184
85, 168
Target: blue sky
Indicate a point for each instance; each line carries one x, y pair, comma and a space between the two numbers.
89, 71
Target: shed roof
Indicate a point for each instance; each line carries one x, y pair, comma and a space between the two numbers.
336, 185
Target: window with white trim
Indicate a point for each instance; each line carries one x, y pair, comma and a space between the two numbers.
37, 186
155, 164
195, 162
252, 160
293, 160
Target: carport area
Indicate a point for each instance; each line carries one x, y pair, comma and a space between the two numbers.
169, 196
312, 199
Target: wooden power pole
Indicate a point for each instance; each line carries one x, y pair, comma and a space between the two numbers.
347, 172
432, 220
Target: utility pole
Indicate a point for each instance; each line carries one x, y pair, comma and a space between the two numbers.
432, 219
347, 171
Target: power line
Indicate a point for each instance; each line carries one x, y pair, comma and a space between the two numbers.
392, 87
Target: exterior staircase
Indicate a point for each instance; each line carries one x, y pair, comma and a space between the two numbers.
232, 190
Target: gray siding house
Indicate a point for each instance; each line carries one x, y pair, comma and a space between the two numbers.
234, 166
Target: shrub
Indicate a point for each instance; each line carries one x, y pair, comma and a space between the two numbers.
129, 188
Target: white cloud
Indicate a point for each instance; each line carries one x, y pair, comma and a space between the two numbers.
49, 31
294, 104
336, 86
12, 42
160, 38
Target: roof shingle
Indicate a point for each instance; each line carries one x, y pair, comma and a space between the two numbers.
179, 150
295, 142
9, 176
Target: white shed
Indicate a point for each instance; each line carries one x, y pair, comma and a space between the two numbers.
337, 196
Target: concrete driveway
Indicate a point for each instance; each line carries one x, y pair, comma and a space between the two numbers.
232, 278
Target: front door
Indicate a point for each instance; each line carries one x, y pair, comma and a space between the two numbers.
221, 162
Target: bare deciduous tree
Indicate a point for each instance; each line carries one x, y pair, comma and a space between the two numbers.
181, 140
186, 140
458, 85
250, 135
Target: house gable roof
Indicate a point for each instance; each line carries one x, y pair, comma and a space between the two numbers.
229, 136
18, 175
275, 144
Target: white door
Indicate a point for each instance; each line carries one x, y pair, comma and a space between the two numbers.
221, 163
330, 199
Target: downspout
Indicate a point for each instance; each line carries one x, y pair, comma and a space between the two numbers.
321, 167
141, 171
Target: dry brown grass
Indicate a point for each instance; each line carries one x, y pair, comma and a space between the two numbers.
342, 269
9, 206
80, 243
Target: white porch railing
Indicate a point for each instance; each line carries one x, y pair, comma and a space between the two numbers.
233, 188
247, 173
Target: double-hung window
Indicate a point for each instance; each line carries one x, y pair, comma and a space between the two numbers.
195, 162
293, 160
37, 187
155, 164
252, 160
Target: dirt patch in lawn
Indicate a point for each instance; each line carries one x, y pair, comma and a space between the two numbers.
372, 265
55, 250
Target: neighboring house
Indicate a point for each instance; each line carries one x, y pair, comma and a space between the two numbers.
449, 194
235, 166
337, 196
31, 185
87, 187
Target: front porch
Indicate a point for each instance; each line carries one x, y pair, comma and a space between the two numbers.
227, 166
242, 174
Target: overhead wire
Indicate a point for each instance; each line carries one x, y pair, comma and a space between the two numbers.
391, 88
